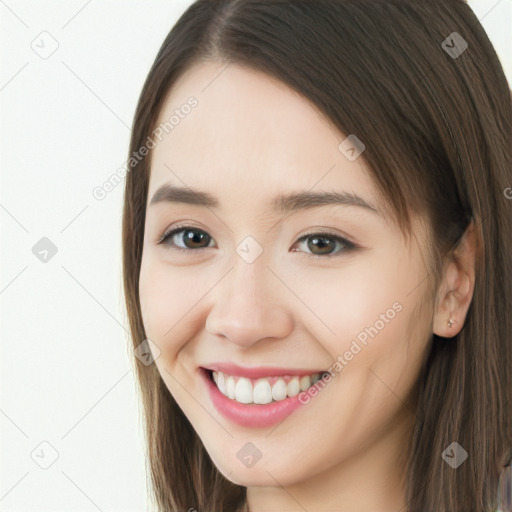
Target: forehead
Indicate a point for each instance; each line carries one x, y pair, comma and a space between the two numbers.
250, 137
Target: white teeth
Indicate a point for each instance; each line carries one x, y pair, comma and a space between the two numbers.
221, 383
242, 390
262, 392
305, 382
293, 387
230, 388
279, 390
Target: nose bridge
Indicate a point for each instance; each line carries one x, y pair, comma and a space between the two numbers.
248, 283
247, 305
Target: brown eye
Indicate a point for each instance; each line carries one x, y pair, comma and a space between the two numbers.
189, 239
324, 244
192, 239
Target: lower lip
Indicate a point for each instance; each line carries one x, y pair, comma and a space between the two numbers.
250, 415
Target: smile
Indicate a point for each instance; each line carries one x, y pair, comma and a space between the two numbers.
264, 390
256, 398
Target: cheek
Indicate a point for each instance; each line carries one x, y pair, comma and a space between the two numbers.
166, 294
361, 311
172, 306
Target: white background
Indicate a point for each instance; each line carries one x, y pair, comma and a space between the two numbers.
66, 373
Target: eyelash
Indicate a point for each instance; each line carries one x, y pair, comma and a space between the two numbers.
349, 246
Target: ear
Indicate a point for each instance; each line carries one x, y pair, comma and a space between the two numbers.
455, 290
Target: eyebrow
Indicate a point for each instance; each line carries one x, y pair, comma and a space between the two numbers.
283, 203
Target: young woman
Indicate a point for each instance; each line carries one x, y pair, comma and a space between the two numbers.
317, 243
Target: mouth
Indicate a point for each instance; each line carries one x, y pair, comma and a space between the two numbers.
263, 390
257, 398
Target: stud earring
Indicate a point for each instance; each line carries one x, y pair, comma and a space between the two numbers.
450, 322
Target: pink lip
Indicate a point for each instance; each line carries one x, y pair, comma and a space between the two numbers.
257, 371
250, 415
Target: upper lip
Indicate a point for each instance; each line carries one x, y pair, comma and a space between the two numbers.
256, 372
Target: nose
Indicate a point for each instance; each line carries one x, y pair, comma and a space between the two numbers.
249, 305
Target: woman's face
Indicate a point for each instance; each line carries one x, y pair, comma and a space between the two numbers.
253, 299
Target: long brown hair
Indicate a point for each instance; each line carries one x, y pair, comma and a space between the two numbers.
436, 119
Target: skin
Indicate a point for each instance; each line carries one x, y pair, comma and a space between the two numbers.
250, 138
